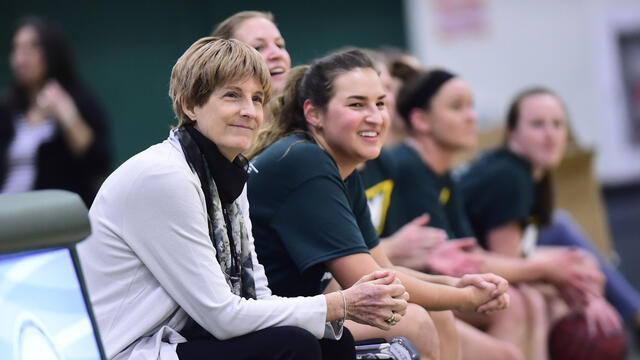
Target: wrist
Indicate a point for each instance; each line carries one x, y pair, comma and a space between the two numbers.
452, 281
334, 306
344, 304
466, 298
69, 116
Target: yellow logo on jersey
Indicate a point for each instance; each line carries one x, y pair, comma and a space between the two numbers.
378, 198
445, 194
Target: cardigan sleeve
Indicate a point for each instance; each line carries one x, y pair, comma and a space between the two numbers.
164, 222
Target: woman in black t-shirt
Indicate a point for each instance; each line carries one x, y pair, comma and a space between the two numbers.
308, 208
508, 195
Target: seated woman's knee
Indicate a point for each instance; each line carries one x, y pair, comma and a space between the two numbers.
508, 352
421, 331
535, 300
420, 322
517, 310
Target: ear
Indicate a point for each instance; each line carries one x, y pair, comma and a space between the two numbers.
188, 111
312, 114
419, 120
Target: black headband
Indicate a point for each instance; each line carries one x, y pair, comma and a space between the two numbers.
418, 92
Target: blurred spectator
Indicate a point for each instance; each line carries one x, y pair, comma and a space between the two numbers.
259, 30
52, 132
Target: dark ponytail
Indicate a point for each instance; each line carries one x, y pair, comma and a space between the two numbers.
284, 114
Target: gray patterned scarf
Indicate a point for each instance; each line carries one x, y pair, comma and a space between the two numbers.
232, 245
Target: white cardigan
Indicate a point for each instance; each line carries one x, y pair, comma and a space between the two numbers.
149, 262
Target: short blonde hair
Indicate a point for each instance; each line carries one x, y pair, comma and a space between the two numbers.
209, 63
228, 26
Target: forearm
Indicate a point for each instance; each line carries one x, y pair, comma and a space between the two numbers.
432, 296
77, 133
514, 269
437, 279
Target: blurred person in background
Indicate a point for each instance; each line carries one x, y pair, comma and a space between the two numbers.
53, 133
259, 30
394, 64
509, 198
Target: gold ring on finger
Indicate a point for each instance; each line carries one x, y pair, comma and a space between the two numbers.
393, 319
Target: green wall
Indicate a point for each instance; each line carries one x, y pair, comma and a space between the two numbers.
125, 49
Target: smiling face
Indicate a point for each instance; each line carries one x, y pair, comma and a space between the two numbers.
450, 118
540, 134
231, 116
27, 58
353, 125
264, 36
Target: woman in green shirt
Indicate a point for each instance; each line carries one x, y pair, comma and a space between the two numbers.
309, 211
508, 196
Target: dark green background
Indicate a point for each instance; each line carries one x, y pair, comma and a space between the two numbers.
124, 50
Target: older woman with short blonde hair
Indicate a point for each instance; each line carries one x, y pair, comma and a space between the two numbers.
170, 265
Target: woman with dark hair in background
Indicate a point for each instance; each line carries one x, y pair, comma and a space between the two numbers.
259, 30
53, 134
309, 210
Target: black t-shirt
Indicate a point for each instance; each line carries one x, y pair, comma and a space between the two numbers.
498, 188
417, 190
303, 214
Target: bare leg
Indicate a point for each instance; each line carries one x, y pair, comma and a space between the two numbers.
416, 325
447, 333
511, 324
506, 331
538, 316
477, 345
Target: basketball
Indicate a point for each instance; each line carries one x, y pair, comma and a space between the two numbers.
569, 339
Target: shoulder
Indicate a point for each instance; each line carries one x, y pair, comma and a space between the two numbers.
497, 168
296, 157
384, 161
404, 158
497, 188
157, 174
6, 123
400, 152
378, 169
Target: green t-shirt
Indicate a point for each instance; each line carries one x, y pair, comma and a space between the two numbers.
417, 190
303, 214
498, 188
